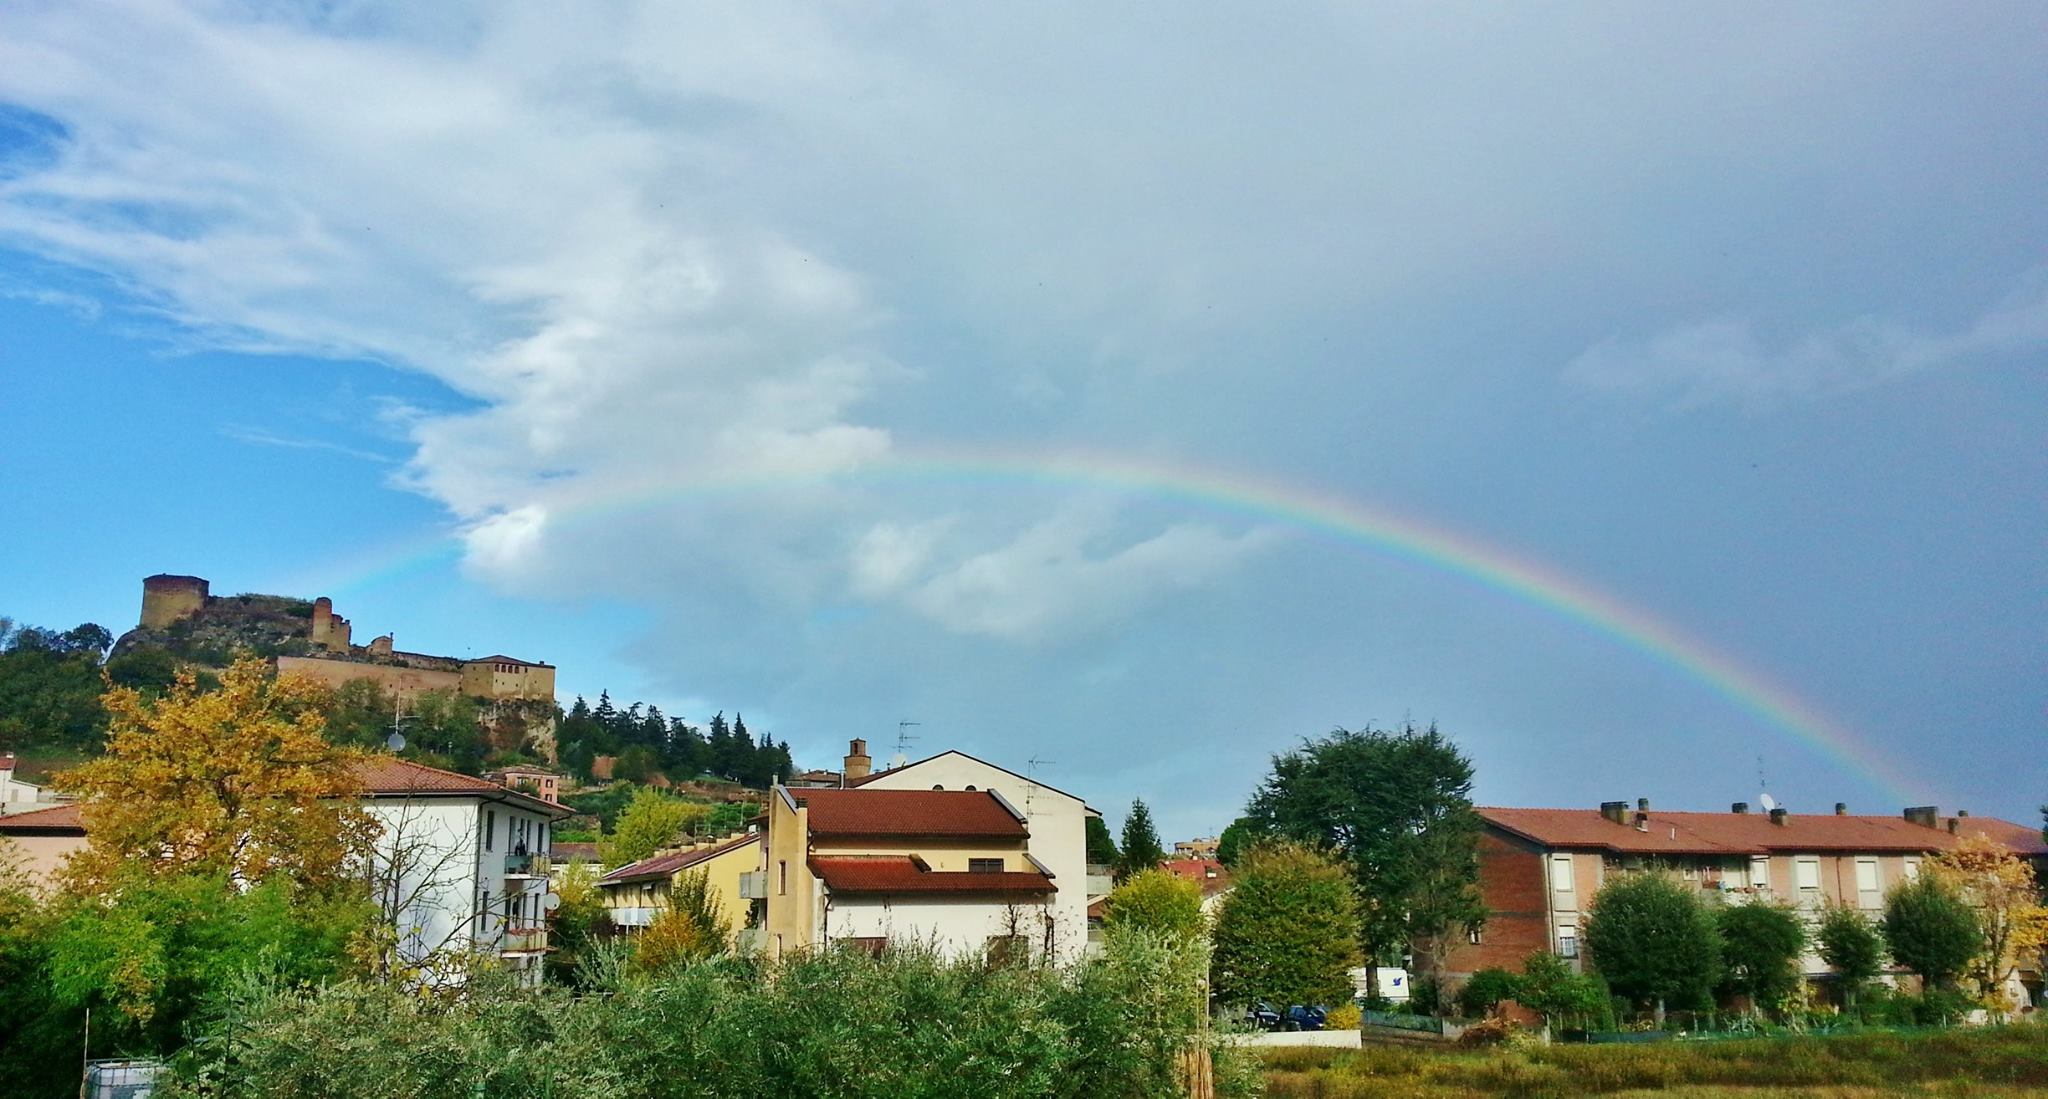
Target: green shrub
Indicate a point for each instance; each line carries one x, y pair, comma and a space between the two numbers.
1486, 990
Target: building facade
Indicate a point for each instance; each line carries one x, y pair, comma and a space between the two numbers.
636, 894
1540, 869
947, 869
1057, 823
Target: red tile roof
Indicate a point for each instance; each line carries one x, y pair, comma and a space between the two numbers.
1199, 871
57, 818
951, 813
665, 865
855, 874
572, 851
1681, 833
389, 776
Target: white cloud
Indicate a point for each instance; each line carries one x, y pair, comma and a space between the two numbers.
1725, 360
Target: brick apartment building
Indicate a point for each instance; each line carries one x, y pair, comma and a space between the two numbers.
1541, 868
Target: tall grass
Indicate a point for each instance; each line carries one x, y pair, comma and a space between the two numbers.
2014, 1057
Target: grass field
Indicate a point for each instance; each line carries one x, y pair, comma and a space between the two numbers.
1992, 1062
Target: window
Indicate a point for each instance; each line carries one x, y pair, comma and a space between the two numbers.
1912, 868
782, 878
985, 866
1475, 935
1806, 873
1561, 873
936, 786
1009, 949
490, 826
1760, 871
1567, 942
871, 945
969, 789
1866, 876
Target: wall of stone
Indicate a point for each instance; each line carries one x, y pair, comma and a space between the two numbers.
401, 681
166, 598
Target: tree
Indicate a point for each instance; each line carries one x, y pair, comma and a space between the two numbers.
1929, 929
1101, 847
576, 924
238, 781
1235, 838
1550, 988
2000, 886
1653, 940
651, 821
690, 929
50, 687
1141, 850
1287, 932
1159, 901
1399, 806
1760, 949
1852, 947
1486, 990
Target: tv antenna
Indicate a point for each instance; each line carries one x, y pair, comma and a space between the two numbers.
1764, 798
396, 741
1031, 767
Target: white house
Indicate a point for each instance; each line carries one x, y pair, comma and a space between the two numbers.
461, 865
17, 796
1056, 820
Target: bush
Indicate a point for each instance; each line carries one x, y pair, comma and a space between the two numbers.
836, 1023
1344, 1017
1486, 990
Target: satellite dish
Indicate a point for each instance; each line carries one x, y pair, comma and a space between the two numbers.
395, 742
551, 901
1769, 803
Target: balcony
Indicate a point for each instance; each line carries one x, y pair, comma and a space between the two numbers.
754, 885
633, 917
526, 866
752, 940
524, 939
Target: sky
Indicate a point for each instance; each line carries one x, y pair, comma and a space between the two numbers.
1651, 398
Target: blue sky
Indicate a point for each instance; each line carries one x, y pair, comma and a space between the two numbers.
1738, 317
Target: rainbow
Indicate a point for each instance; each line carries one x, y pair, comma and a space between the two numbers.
1338, 519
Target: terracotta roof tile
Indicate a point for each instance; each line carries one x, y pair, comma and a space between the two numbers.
664, 865
1683, 833
957, 813
391, 776
1199, 872
57, 818
855, 874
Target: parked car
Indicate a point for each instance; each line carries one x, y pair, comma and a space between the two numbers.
1300, 1017
1262, 1016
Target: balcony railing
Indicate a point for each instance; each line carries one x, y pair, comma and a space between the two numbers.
754, 885
525, 938
526, 866
633, 917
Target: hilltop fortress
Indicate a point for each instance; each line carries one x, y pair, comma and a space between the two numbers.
182, 614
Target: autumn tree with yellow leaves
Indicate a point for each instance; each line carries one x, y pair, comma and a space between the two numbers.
236, 781
2000, 886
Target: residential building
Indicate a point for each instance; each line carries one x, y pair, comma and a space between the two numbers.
460, 866
1057, 823
41, 839
635, 894
951, 869
1540, 869
17, 796
1212, 876
542, 782
1203, 848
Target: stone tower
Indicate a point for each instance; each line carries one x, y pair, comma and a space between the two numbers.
167, 597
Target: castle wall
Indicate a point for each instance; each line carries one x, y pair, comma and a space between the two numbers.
490, 679
401, 681
166, 598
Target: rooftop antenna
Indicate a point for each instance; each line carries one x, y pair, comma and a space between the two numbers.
1031, 767
904, 739
1764, 799
396, 741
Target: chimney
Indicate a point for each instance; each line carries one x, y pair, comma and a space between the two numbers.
1951, 826
1923, 815
1963, 813
1615, 811
1739, 807
1642, 805
1642, 814
1841, 808
1778, 816
858, 763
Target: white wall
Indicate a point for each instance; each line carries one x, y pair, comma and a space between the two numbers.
442, 874
1058, 824
957, 926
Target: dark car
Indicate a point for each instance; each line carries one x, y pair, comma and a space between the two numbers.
1262, 1016
1300, 1017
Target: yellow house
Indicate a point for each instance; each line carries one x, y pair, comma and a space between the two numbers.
42, 839
950, 869
635, 894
